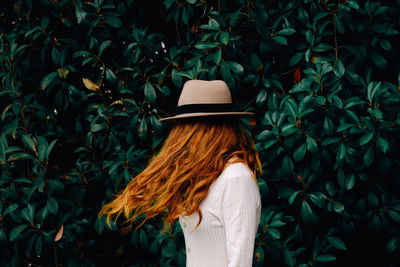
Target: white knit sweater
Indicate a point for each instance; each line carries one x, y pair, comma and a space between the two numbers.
231, 214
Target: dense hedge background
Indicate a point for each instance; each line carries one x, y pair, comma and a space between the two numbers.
83, 84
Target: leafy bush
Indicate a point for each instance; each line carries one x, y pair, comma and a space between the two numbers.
83, 84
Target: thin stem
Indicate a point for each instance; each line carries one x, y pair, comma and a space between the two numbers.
335, 36
55, 255
177, 31
23, 116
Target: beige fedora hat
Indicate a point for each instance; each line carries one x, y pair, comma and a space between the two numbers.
200, 98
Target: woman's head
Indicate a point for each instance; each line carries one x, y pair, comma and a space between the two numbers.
178, 178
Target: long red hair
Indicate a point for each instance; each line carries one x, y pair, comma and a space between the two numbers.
178, 178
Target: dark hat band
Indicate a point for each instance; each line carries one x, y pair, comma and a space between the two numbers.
195, 108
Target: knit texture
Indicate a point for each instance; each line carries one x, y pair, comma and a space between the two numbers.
231, 214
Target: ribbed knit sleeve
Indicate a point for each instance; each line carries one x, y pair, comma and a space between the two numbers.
230, 217
241, 207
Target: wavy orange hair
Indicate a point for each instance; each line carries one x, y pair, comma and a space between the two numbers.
178, 178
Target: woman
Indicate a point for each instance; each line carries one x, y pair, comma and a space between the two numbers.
204, 175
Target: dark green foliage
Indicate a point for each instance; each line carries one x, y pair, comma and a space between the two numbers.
83, 84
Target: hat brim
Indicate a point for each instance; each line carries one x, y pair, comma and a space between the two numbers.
206, 114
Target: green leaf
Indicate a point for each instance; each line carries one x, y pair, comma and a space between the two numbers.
391, 245
291, 107
155, 123
225, 71
48, 79
261, 96
256, 62
366, 138
55, 56
113, 226
287, 31
274, 233
287, 165
350, 181
277, 223
353, 4
212, 25
280, 40
205, 46
236, 67
372, 89
3, 236
339, 25
368, 157
339, 68
185, 16
19, 156
82, 53
52, 205
217, 56
336, 242
311, 145
15, 232
168, 251
114, 21
142, 129
306, 211
28, 142
293, 197
373, 200
305, 112
259, 254
39, 245
10, 209
263, 187
4, 113
80, 14
322, 47
224, 38
344, 126
150, 92
296, 58
321, 100
338, 207
382, 144
95, 127
289, 129
375, 113
50, 147
325, 258
385, 44
104, 45
302, 86
42, 147
341, 151
269, 143
28, 213
317, 199
394, 215
99, 226
176, 79
298, 155
378, 60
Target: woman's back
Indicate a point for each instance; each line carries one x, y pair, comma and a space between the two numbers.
230, 217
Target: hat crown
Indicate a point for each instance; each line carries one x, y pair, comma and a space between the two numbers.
205, 92
201, 98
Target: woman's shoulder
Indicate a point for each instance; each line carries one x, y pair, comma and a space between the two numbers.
237, 179
235, 170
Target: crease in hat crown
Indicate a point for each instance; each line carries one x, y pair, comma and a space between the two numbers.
201, 98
